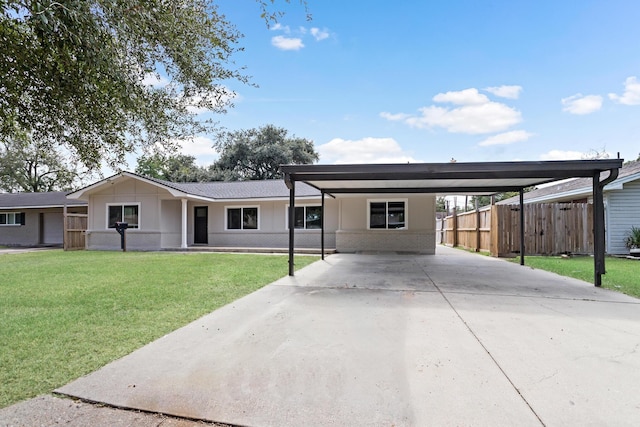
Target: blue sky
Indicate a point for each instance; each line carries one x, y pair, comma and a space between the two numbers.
428, 81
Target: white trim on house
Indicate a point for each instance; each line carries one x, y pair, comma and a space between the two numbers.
387, 201
241, 207
17, 216
301, 205
123, 204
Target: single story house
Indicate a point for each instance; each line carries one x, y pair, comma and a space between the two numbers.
33, 219
251, 214
621, 202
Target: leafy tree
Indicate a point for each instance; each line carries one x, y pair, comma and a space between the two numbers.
32, 164
74, 71
258, 153
174, 168
441, 204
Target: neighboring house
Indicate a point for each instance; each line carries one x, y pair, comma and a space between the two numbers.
32, 219
251, 214
621, 201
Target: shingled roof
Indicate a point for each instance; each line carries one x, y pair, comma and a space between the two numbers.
272, 188
54, 199
576, 188
218, 190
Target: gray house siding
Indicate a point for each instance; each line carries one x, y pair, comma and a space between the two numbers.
41, 227
623, 212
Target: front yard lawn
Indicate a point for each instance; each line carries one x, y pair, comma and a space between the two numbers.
66, 314
623, 274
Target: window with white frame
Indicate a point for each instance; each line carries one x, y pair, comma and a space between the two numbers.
242, 218
306, 217
11, 218
387, 214
128, 213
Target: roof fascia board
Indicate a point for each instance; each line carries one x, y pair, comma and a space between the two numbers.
4, 208
478, 190
550, 169
174, 192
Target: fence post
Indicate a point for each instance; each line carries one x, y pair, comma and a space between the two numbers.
455, 226
478, 241
65, 228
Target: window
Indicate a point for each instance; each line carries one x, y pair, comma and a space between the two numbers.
11, 218
306, 217
242, 218
123, 213
387, 214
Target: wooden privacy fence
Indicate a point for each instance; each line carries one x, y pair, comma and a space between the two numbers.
549, 229
75, 226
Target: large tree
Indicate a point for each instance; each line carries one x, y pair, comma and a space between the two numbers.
74, 71
258, 153
174, 168
32, 164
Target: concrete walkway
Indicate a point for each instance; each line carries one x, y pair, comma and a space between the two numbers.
384, 339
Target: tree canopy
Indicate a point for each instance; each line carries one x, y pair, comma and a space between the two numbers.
252, 154
174, 168
31, 164
258, 153
77, 71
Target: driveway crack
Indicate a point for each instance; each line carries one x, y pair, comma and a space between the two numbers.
524, 399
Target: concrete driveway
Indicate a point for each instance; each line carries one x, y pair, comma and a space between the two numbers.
392, 340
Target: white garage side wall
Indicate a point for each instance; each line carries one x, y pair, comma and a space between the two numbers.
623, 212
418, 236
147, 237
272, 229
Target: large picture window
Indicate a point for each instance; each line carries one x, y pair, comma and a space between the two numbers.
123, 213
387, 214
244, 218
11, 218
307, 217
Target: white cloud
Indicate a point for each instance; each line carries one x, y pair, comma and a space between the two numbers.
631, 95
155, 80
507, 138
462, 97
279, 27
287, 43
365, 150
319, 34
476, 114
394, 117
562, 155
505, 91
579, 104
201, 148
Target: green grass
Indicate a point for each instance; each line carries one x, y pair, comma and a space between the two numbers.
66, 314
623, 274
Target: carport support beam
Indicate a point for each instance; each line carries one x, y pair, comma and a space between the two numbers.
322, 227
598, 224
292, 214
522, 248
598, 231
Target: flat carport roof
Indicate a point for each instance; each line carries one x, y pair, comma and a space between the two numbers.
468, 178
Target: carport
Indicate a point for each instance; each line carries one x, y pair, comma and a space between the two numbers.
478, 178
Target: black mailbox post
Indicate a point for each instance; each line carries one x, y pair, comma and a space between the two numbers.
121, 228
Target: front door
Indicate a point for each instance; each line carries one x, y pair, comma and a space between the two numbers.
201, 217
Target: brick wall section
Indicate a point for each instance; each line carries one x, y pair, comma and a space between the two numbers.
386, 240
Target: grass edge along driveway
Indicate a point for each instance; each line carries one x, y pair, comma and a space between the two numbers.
66, 314
623, 275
